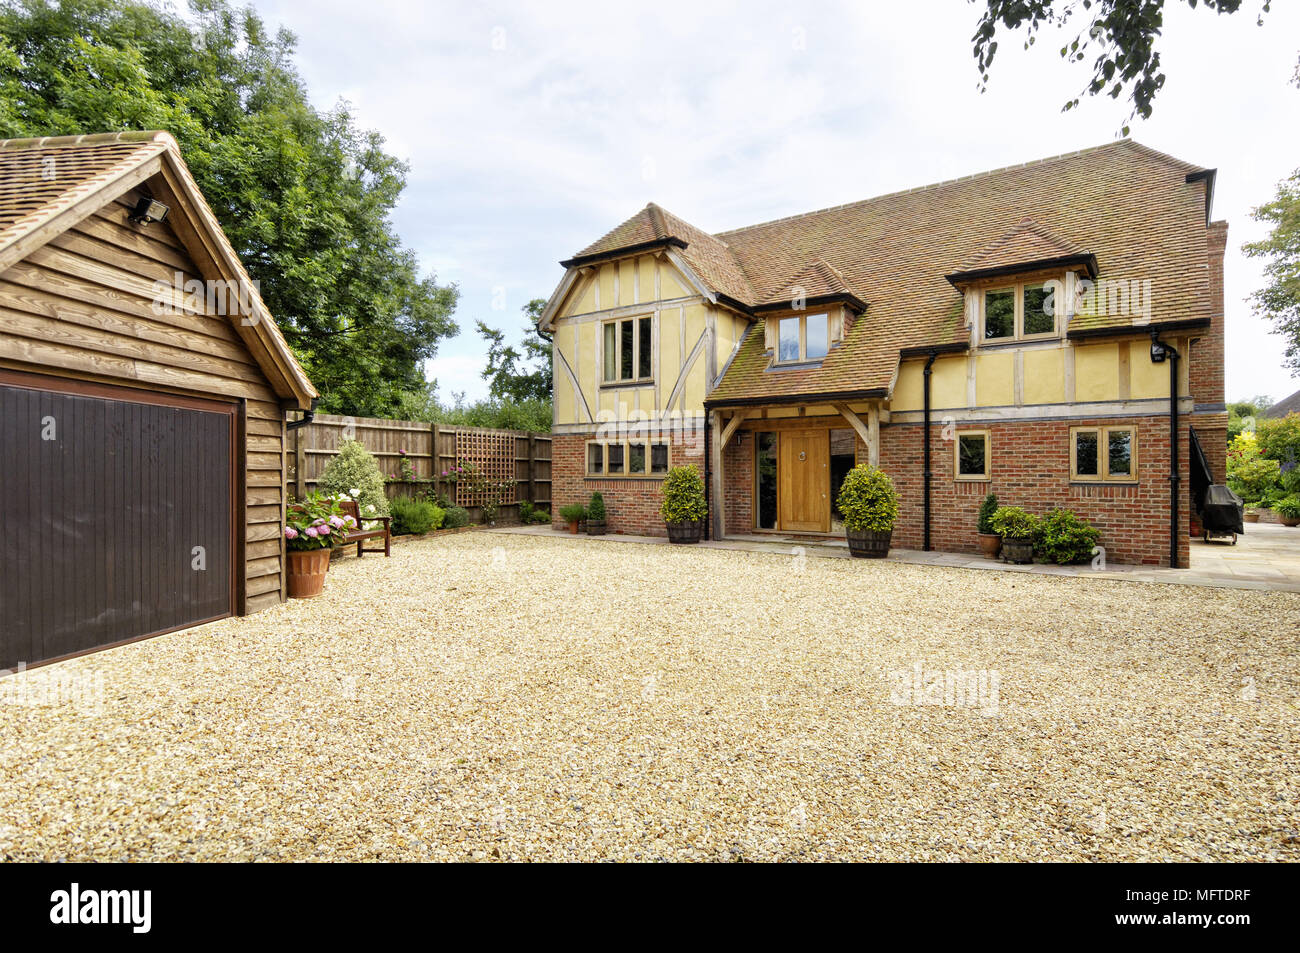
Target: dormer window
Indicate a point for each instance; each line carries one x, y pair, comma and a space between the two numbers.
803, 337
1018, 311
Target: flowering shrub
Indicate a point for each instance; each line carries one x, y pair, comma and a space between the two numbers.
316, 523
355, 472
415, 516
867, 500
483, 490
405, 468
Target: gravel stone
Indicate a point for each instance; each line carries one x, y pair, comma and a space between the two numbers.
494, 697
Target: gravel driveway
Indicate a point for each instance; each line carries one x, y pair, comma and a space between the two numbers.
493, 696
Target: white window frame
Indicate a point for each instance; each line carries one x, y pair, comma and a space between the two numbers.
626, 446
803, 337
617, 380
1103, 474
1017, 290
988, 457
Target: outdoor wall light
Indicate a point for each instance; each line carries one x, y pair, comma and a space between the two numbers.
1158, 351
148, 210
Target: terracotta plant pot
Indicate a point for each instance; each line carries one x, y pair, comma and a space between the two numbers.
307, 570
573, 527
1018, 550
1290, 520
869, 543
990, 543
685, 532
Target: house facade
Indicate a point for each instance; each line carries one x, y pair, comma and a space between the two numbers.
1050, 332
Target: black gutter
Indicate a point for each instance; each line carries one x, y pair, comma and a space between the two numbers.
1170, 327
735, 304
623, 252
1087, 260
854, 303
925, 350
871, 394
308, 416
925, 436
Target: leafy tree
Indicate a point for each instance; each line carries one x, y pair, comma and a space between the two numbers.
1123, 34
1279, 300
304, 196
514, 375
1239, 412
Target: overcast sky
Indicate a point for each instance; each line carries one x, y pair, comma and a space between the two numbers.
533, 129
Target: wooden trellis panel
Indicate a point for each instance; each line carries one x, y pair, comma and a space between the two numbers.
493, 453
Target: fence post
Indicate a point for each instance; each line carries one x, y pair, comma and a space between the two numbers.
532, 467
436, 461
300, 462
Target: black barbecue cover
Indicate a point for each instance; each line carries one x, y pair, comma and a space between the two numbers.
1222, 511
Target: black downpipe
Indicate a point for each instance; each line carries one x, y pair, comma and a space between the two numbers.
1175, 478
307, 417
925, 437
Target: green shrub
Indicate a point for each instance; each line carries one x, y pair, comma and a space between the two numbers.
987, 509
455, 517
1064, 538
355, 469
528, 513
1254, 479
1288, 506
413, 517
573, 513
1012, 522
683, 496
596, 508
867, 500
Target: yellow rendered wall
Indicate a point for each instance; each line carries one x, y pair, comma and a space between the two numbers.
1044, 376
995, 383
1096, 372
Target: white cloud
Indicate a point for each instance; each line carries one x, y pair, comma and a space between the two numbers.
750, 111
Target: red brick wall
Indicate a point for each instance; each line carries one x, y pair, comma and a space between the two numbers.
738, 466
1030, 466
631, 504
1206, 369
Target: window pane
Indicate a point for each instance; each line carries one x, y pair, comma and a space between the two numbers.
625, 354
1037, 318
818, 336
999, 314
1085, 453
659, 458
971, 454
636, 458
595, 458
1119, 457
766, 452
611, 352
644, 351
615, 458
788, 349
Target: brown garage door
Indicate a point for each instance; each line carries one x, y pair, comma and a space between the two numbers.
118, 516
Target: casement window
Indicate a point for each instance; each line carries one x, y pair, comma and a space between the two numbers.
1017, 312
635, 457
971, 455
803, 337
1103, 453
628, 349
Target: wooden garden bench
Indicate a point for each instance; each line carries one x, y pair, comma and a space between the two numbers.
360, 535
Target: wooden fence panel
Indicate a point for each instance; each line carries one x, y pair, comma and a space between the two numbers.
433, 451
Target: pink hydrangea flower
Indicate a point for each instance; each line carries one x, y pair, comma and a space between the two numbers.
290, 533
311, 531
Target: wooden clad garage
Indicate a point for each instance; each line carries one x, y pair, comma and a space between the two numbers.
143, 392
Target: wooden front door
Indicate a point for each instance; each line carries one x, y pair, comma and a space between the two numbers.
804, 481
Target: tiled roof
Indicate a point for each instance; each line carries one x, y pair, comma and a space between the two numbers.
1130, 206
45, 183
1027, 242
707, 255
1289, 405
39, 178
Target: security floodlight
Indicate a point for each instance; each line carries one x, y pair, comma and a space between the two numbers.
148, 210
